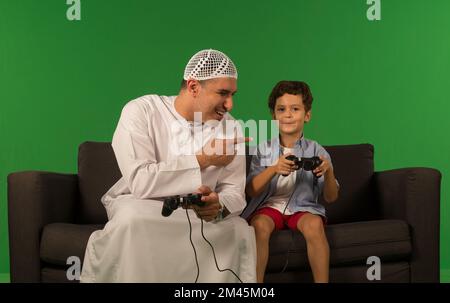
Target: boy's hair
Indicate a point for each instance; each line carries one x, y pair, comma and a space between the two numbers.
292, 88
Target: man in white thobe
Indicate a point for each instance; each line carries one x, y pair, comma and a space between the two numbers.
163, 150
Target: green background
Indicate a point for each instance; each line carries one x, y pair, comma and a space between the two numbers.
383, 82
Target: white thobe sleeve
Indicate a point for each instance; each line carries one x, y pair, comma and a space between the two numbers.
231, 185
134, 147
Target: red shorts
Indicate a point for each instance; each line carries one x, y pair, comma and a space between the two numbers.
282, 221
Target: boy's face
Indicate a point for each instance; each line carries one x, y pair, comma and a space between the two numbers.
290, 112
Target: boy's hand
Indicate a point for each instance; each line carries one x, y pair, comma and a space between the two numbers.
324, 168
283, 166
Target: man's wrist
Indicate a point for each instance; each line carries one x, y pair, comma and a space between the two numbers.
222, 212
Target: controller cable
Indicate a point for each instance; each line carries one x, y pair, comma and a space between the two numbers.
192, 243
212, 248
291, 244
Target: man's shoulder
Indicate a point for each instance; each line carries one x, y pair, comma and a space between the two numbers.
143, 101
144, 104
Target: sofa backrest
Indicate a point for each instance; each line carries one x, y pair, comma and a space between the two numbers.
353, 165
354, 168
97, 172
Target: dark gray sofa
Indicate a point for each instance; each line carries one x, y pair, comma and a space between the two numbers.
390, 214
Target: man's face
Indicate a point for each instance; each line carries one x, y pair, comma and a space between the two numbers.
290, 112
215, 98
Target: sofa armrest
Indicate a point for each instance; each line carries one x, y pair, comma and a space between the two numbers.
413, 195
36, 199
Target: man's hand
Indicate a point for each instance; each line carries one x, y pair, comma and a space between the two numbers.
219, 152
324, 168
210, 211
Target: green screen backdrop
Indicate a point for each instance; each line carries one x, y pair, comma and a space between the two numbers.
381, 82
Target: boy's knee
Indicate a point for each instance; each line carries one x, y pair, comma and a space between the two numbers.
263, 226
313, 227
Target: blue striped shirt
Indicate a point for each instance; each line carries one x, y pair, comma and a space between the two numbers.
306, 191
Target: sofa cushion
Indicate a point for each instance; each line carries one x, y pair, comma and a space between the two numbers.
56, 275
391, 272
350, 243
98, 171
62, 240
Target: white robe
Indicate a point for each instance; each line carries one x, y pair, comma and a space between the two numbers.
138, 244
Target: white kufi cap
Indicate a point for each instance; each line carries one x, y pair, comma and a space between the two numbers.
209, 64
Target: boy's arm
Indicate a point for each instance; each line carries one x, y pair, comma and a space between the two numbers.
261, 175
330, 189
330, 186
259, 183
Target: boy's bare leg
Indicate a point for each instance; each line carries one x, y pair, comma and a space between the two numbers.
263, 226
311, 226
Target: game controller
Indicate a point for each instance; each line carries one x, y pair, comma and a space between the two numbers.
308, 164
172, 203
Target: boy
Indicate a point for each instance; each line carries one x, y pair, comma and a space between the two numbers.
284, 196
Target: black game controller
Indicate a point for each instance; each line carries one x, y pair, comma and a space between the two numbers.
172, 203
308, 164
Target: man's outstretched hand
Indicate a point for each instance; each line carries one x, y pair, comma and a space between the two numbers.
219, 152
